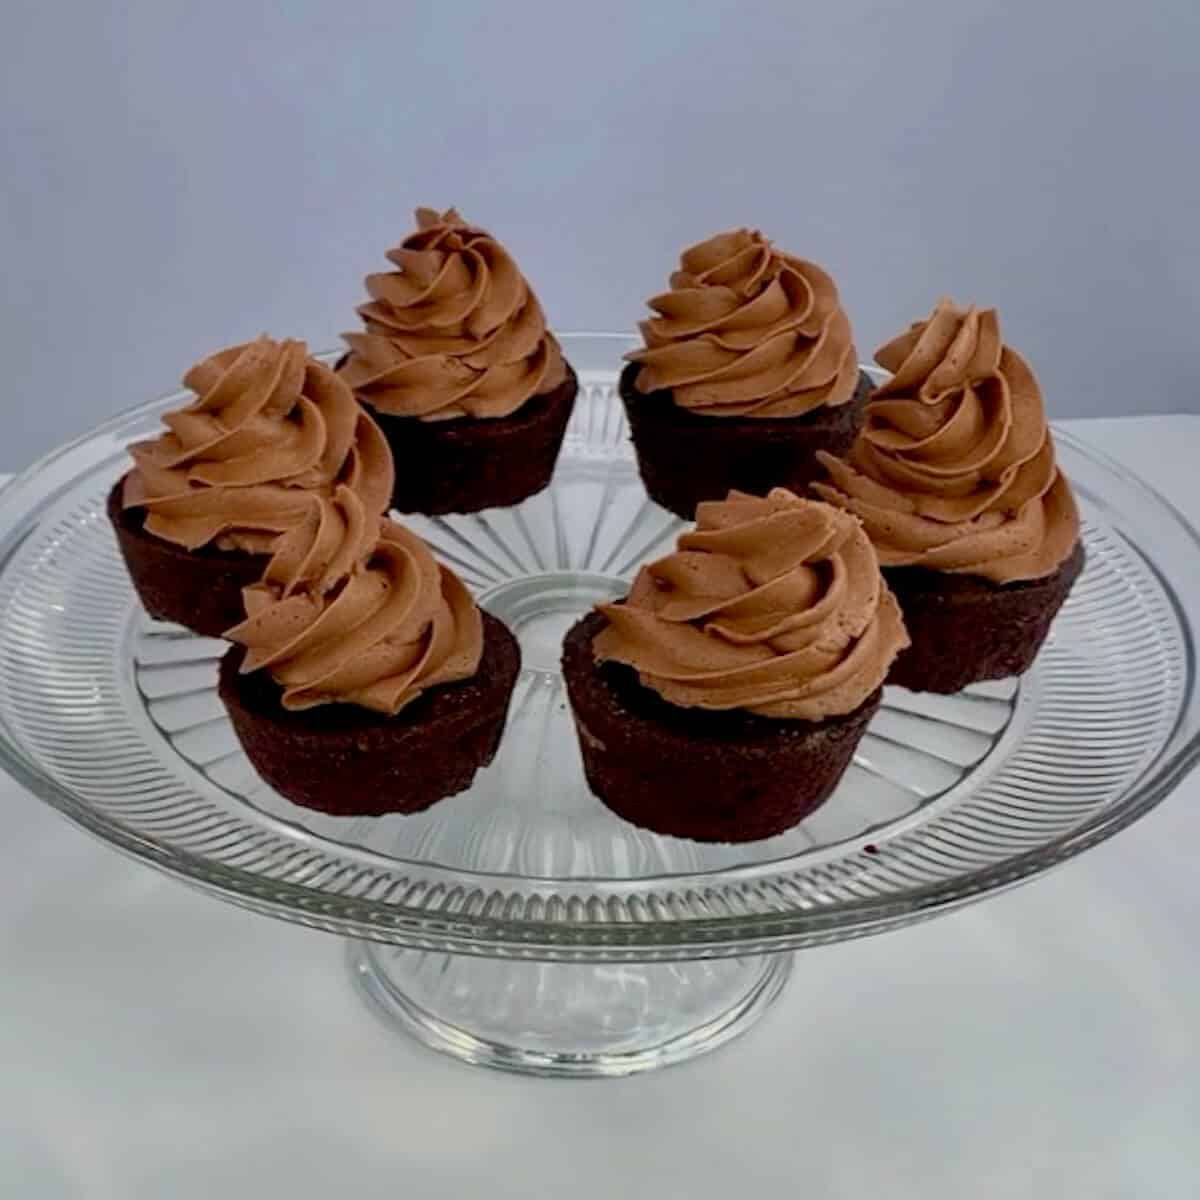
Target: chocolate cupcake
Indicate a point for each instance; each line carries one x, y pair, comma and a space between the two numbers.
364, 679
955, 480
197, 517
468, 385
724, 698
749, 370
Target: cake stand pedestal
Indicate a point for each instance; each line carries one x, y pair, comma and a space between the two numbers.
565, 1019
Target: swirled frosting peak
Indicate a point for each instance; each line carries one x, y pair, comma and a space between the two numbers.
397, 624
955, 468
336, 536
454, 331
748, 331
237, 466
773, 604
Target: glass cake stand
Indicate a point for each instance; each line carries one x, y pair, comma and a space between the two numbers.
521, 924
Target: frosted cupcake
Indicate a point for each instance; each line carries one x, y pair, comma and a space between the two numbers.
458, 367
955, 481
364, 679
724, 697
198, 515
749, 369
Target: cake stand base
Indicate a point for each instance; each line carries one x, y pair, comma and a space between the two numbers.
562, 1019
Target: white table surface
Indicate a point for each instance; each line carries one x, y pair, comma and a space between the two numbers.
155, 1043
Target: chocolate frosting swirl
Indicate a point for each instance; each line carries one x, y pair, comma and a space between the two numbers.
454, 332
236, 467
774, 605
397, 624
748, 331
336, 536
955, 468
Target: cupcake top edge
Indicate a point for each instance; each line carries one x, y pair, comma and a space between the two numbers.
772, 604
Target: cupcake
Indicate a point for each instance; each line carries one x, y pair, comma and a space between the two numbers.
198, 515
468, 385
364, 680
724, 697
955, 480
749, 369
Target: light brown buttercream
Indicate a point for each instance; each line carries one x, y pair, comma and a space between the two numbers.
955, 468
236, 467
774, 605
397, 624
456, 331
748, 331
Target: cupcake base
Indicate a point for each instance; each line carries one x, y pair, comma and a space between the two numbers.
965, 629
199, 589
685, 457
472, 463
348, 761
708, 776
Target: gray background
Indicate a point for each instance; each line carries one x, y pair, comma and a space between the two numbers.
180, 176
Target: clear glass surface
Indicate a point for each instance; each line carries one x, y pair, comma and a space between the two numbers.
114, 720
